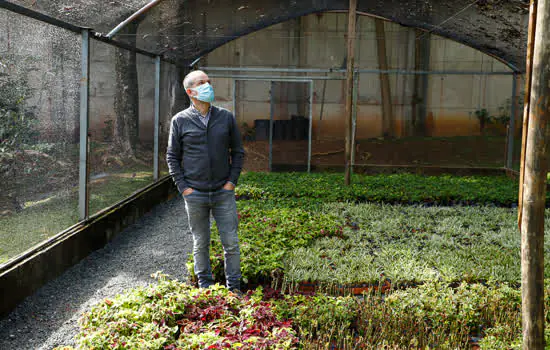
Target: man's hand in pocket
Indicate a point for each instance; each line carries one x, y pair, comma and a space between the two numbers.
228, 186
188, 191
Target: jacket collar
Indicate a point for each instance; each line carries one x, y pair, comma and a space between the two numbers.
196, 115
195, 110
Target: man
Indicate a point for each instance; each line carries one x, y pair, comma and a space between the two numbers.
206, 138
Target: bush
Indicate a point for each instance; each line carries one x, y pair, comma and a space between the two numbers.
17, 120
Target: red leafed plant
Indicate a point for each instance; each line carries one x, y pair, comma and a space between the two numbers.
185, 317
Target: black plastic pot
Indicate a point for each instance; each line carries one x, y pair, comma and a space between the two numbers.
261, 127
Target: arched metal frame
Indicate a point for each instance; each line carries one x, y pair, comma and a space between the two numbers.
186, 30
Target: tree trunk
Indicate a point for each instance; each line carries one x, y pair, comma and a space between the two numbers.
126, 128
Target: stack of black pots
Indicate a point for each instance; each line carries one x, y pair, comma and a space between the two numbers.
294, 129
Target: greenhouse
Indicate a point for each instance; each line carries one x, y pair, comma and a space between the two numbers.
378, 207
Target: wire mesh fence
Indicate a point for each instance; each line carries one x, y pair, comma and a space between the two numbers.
329, 122
290, 107
172, 100
121, 130
252, 112
400, 118
39, 79
41, 118
445, 120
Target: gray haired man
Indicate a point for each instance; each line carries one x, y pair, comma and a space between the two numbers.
205, 157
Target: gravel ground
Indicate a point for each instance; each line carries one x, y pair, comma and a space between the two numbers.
158, 241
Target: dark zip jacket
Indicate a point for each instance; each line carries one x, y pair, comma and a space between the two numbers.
211, 155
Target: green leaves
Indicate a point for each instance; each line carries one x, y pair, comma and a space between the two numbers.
266, 235
394, 188
452, 266
411, 245
171, 315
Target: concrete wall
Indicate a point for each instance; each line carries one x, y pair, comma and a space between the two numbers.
103, 90
318, 41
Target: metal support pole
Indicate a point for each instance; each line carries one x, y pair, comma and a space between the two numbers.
271, 108
385, 89
157, 120
234, 99
84, 108
340, 71
354, 119
138, 13
512, 125
310, 126
274, 77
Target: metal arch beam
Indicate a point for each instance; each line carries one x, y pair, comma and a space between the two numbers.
76, 29
454, 22
138, 13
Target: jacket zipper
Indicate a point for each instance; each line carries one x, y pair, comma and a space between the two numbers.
208, 155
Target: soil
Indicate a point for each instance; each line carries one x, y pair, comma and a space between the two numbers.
27, 175
443, 152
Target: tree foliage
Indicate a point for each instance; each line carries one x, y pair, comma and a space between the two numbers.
17, 120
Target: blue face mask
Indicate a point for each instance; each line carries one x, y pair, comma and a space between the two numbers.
205, 93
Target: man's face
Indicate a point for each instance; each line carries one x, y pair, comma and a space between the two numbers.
200, 79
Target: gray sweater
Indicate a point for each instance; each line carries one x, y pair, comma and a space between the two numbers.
211, 155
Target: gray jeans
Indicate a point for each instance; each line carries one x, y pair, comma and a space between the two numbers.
223, 207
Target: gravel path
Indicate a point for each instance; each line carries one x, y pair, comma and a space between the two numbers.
158, 241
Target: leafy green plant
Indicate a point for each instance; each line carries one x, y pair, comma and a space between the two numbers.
437, 315
266, 235
408, 245
169, 314
318, 315
173, 315
394, 188
454, 270
483, 117
247, 132
501, 119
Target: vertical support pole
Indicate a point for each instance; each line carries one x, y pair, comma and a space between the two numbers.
526, 102
419, 101
157, 120
385, 89
234, 98
512, 124
84, 109
271, 110
352, 19
534, 185
354, 120
309, 136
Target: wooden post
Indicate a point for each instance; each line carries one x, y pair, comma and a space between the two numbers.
352, 18
526, 100
387, 113
534, 185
